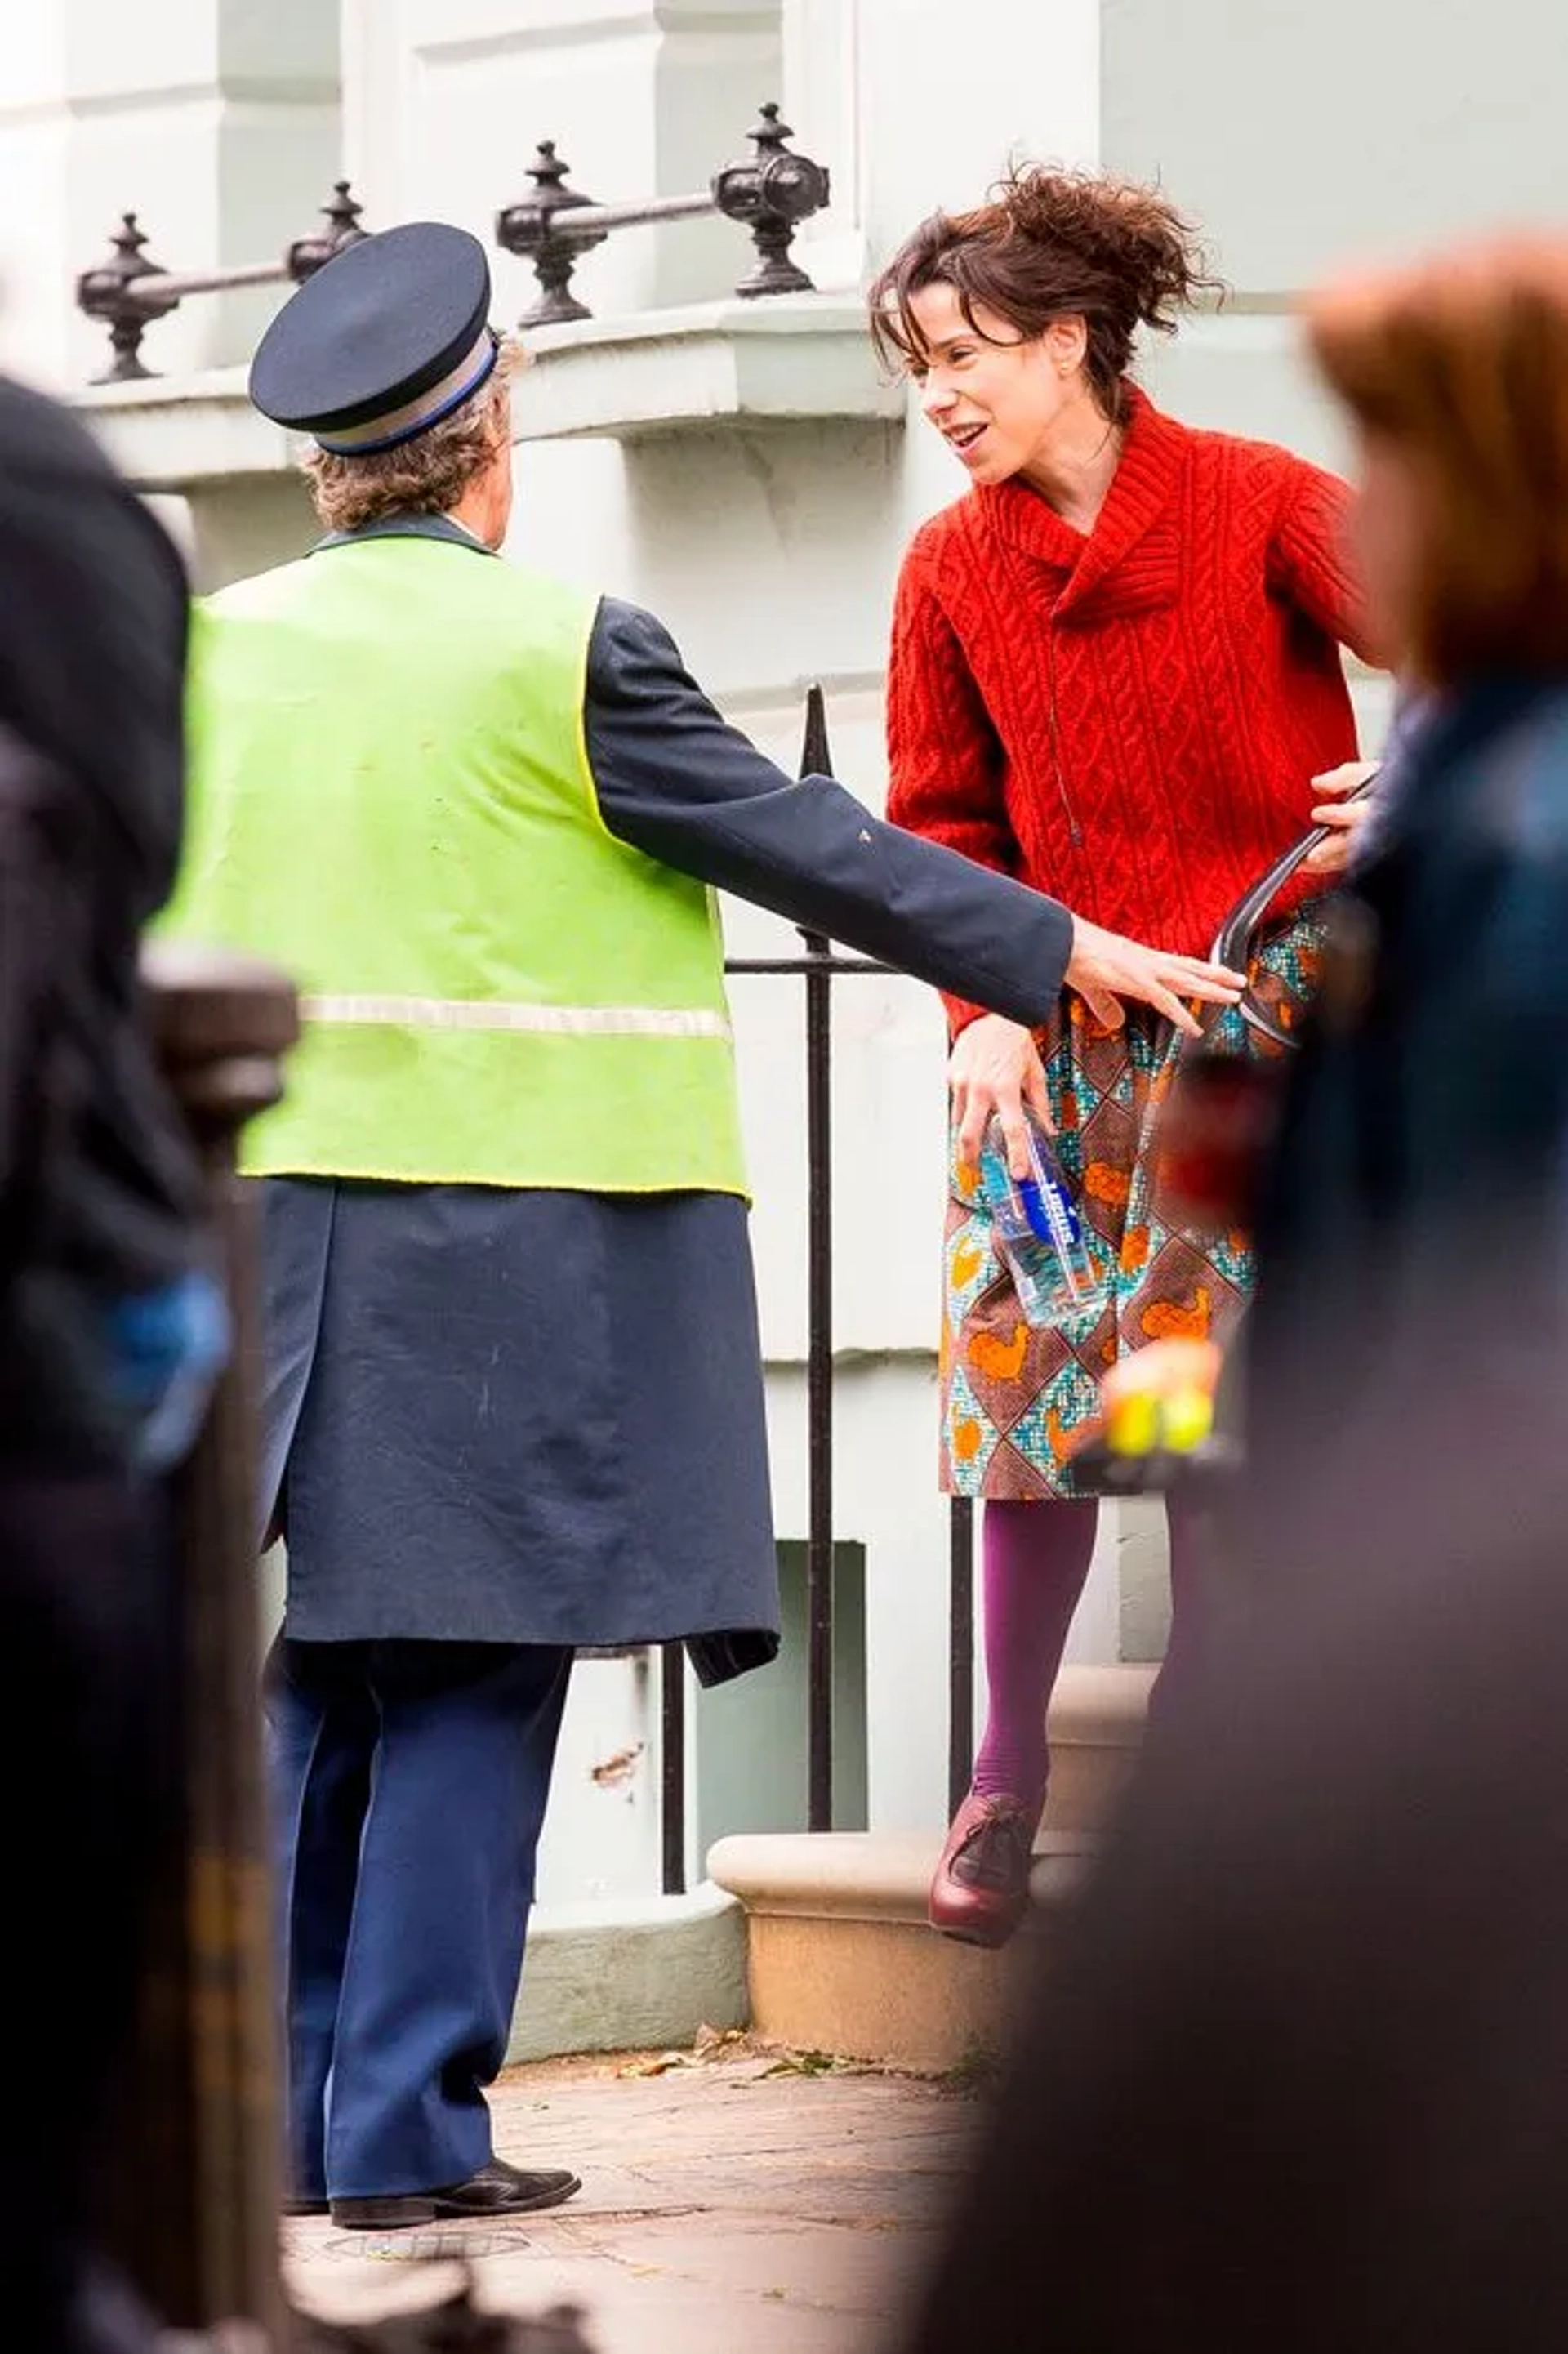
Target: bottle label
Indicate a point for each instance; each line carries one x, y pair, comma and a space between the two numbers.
1036, 1232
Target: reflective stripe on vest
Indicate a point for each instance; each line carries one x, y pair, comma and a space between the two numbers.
468, 1013
391, 799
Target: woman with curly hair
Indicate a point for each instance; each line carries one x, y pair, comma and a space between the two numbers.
1114, 675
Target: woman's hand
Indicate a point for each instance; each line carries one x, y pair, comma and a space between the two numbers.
996, 1067
1104, 968
1346, 817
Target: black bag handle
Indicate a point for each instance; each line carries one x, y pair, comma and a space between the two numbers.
1235, 939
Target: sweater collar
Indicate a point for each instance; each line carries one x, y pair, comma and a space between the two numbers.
1142, 487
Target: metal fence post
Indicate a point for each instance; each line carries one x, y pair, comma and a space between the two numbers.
673, 1766
197, 2201
816, 760
819, 967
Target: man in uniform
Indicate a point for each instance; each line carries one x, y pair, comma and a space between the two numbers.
514, 1398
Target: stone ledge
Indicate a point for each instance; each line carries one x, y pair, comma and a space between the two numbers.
866, 1875
177, 434
624, 1976
1095, 1727
795, 358
839, 1957
1101, 1708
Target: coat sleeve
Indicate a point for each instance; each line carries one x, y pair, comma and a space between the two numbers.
944, 760
675, 781
1308, 559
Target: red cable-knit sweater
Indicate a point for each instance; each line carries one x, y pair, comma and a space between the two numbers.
1128, 721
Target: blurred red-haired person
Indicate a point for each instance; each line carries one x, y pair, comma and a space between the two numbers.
1426, 1122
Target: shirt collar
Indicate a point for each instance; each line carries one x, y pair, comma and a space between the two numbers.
406, 526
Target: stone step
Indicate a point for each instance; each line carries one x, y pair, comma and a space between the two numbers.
617, 1974
1095, 1725
839, 1958
839, 1955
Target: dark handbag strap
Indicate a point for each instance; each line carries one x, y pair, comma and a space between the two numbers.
1236, 939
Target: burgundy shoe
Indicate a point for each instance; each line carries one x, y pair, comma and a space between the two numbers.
980, 1891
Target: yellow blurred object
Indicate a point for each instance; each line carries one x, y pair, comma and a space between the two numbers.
1161, 1397
1133, 1426
1187, 1420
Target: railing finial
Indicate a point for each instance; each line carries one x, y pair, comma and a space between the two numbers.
816, 752
535, 230
771, 197
343, 213
117, 294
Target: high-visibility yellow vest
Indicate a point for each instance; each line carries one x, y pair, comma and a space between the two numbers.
391, 799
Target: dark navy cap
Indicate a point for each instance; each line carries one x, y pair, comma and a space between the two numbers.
385, 340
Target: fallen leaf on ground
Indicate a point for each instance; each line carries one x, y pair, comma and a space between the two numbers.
660, 2064
807, 2064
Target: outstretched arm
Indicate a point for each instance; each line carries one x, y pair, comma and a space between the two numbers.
677, 782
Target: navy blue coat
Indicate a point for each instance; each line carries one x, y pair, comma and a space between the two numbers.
537, 1416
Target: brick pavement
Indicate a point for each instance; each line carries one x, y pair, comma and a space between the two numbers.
733, 2203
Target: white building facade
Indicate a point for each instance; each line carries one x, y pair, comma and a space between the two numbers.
745, 470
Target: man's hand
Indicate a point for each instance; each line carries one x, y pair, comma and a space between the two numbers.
1104, 968
995, 1067
1346, 817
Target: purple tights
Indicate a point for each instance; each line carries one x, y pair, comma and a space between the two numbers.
1035, 1558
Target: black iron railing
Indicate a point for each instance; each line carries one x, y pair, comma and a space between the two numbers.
819, 967
770, 194
128, 291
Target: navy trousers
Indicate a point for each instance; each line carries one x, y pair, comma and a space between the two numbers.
409, 1781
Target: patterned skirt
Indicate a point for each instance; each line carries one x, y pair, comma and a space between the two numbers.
1014, 1395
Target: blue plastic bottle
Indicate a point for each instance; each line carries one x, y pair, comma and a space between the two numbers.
1036, 1229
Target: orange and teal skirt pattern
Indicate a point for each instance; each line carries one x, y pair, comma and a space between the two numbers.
1015, 1395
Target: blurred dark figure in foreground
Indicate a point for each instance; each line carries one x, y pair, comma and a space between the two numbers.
1297, 2078
109, 1328
1300, 2079
454, 2326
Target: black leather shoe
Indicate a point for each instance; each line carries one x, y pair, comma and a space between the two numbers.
304, 2206
496, 2189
